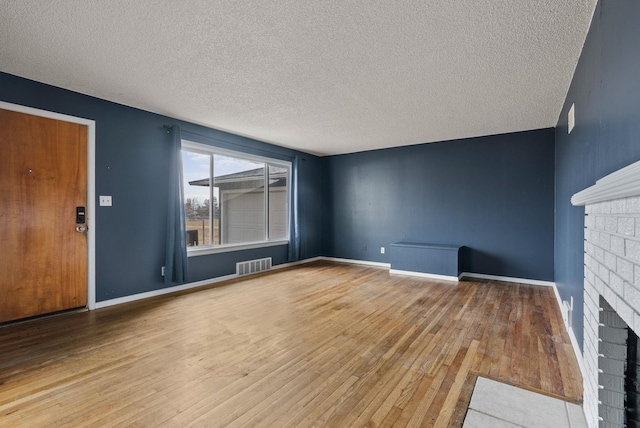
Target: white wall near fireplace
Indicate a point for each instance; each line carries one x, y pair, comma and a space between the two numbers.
611, 264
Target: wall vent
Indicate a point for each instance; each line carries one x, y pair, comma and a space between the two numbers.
253, 266
571, 118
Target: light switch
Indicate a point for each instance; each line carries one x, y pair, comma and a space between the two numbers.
105, 201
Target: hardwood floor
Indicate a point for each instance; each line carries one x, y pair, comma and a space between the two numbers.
321, 344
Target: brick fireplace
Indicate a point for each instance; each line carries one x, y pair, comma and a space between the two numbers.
611, 292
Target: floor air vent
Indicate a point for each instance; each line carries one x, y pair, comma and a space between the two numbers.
253, 266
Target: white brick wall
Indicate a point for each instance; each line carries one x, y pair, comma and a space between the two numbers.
612, 270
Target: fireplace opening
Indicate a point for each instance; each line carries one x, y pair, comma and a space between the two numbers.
618, 392
632, 381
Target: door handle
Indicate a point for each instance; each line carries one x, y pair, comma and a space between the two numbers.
80, 228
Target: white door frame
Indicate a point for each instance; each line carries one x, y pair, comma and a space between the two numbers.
91, 186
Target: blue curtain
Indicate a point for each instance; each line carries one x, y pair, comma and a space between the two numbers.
294, 223
175, 262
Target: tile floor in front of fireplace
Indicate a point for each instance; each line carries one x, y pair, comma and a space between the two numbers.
498, 405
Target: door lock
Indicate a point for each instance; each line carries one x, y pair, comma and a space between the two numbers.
80, 215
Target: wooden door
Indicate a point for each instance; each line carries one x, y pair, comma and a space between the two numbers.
43, 178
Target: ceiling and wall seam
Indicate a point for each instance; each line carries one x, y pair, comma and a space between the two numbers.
320, 77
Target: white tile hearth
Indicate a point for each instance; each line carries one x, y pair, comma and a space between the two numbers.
495, 404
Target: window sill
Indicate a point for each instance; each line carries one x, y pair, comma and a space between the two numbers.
201, 251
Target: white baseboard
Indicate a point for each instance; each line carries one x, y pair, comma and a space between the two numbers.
507, 279
576, 351
572, 335
435, 276
425, 275
355, 262
299, 262
162, 291
182, 287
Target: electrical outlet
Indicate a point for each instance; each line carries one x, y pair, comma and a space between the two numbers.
105, 201
381, 250
162, 270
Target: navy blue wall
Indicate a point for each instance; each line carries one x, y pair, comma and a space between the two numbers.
606, 93
131, 164
492, 194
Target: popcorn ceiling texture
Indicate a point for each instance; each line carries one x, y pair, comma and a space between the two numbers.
324, 77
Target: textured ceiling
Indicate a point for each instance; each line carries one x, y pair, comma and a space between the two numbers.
324, 77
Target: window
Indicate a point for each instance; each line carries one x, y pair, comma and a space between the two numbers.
233, 199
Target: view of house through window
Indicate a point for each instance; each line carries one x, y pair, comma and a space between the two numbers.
233, 199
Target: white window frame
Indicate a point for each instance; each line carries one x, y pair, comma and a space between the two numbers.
213, 150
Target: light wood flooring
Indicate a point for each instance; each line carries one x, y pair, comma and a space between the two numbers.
321, 344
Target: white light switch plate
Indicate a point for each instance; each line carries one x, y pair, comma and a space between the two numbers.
105, 201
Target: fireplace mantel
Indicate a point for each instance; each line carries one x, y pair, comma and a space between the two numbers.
623, 183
